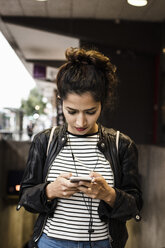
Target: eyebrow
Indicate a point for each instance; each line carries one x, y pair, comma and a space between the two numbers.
93, 108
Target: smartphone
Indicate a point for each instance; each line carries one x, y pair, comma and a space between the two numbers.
81, 178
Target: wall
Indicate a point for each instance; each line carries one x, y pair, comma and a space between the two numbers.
149, 233
134, 112
134, 116
15, 226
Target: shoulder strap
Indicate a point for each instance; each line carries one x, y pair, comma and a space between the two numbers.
50, 139
117, 140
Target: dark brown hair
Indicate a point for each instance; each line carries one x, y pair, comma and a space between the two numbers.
87, 71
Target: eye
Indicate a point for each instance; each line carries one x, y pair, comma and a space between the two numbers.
72, 112
91, 112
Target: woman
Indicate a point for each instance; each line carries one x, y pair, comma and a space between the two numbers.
83, 213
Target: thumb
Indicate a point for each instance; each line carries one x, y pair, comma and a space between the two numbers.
98, 180
94, 174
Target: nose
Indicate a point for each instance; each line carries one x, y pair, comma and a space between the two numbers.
81, 120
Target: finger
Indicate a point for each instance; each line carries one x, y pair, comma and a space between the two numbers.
89, 190
84, 183
71, 188
83, 189
94, 174
66, 175
98, 180
70, 185
67, 194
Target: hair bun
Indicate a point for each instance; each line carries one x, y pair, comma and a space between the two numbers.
76, 55
89, 57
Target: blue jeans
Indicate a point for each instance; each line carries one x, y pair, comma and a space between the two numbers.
47, 242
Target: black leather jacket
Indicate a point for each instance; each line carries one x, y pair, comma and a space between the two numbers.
126, 181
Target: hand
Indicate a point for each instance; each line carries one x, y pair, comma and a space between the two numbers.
61, 187
98, 189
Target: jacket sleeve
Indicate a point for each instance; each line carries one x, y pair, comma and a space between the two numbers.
32, 192
128, 201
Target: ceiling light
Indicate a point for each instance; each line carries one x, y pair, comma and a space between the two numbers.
137, 3
41, 0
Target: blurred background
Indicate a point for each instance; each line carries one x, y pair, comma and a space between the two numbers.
33, 38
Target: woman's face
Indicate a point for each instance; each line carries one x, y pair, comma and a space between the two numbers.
81, 113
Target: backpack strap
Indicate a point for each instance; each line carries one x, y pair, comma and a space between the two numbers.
50, 139
117, 140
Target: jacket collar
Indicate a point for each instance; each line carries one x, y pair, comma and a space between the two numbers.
62, 137
101, 143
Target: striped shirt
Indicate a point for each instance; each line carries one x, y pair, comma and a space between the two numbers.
71, 217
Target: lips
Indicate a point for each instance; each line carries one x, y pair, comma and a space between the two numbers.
80, 129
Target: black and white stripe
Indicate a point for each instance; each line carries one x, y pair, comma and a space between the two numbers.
71, 217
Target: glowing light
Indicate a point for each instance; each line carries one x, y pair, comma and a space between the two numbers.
36, 116
17, 187
37, 107
44, 99
137, 3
